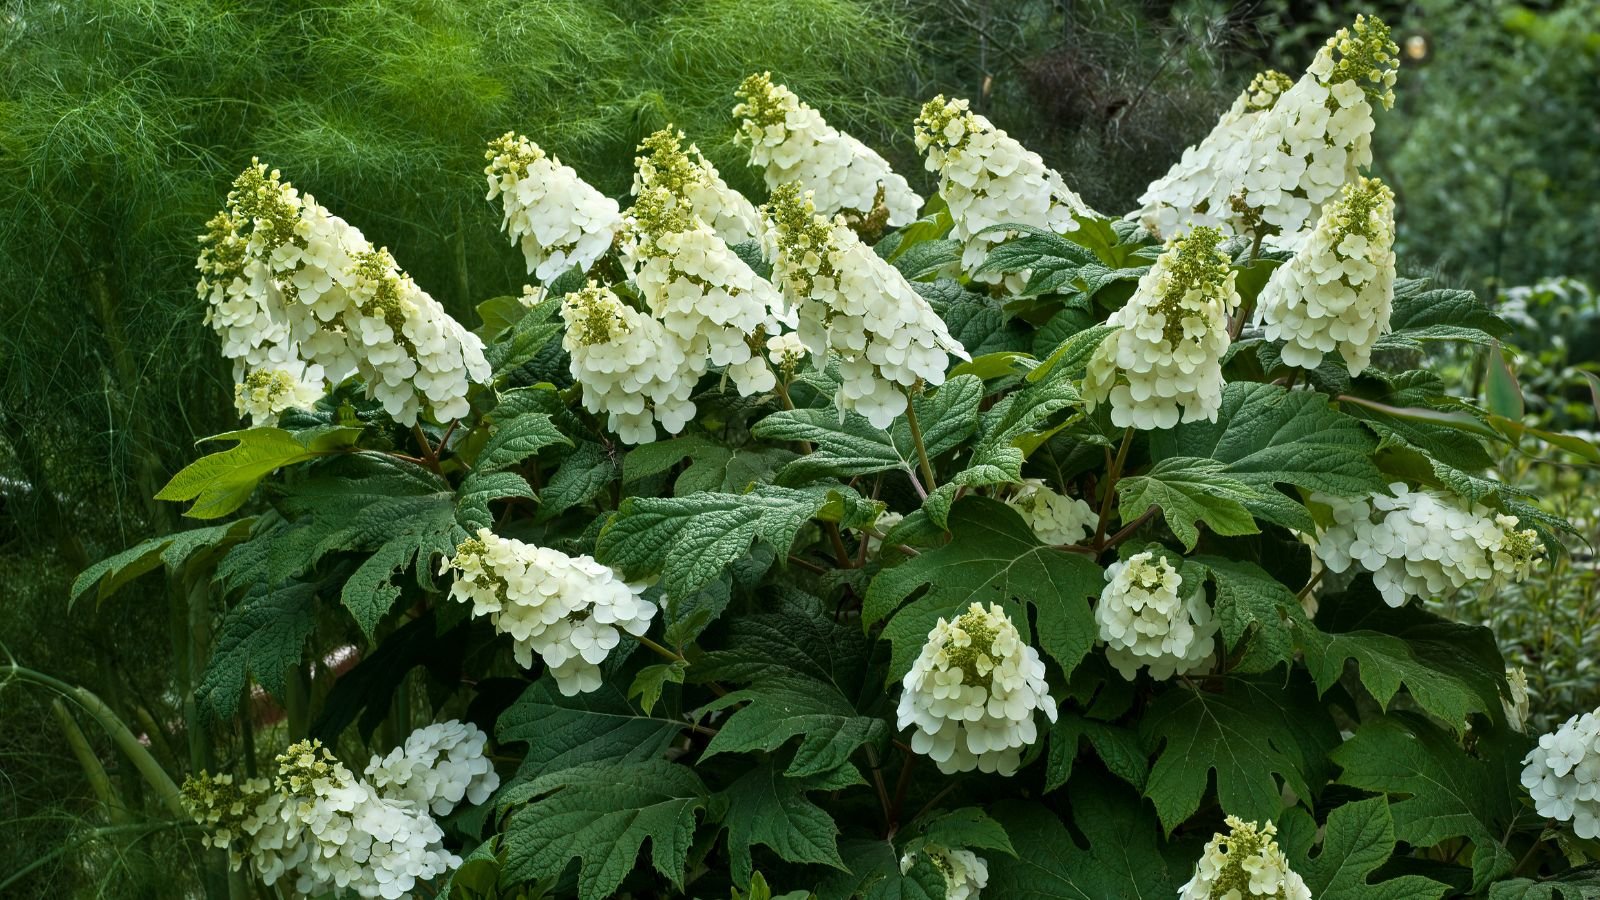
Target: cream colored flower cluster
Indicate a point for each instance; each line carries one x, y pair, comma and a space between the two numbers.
1244, 864
568, 609
965, 873
989, 179
628, 365
1054, 518
972, 693
1423, 543
686, 174
557, 218
298, 295
792, 144
1338, 290
849, 300
1147, 619
437, 768
1164, 365
1562, 774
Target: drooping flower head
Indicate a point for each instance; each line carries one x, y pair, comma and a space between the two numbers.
1147, 617
557, 218
1244, 864
628, 365
1562, 774
688, 176
1165, 363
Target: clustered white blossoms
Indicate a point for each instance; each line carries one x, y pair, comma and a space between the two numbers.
1243, 864
1164, 364
688, 175
972, 693
628, 365
849, 300
1423, 543
1562, 774
1054, 518
1338, 290
793, 145
965, 873
299, 297
570, 610
557, 218
1147, 618
326, 829
989, 179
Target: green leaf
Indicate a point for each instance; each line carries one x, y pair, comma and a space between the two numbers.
979, 322
765, 807
647, 685
875, 875
173, 551
526, 339
1501, 390
1253, 605
479, 489
220, 483
497, 314
1189, 490
969, 828
1118, 748
1072, 355
1015, 427
1358, 840
1581, 883
1052, 262
1419, 317
580, 478
516, 440
926, 258
601, 814
1122, 859
562, 732
265, 636
655, 458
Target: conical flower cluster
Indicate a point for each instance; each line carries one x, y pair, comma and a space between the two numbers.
298, 295
1424, 543
989, 179
1147, 618
1562, 774
1338, 290
849, 300
972, 693
965, 873
557, 218
792, 144
1054, 518
1244, 864
1165, 363
686, 174
628, 365
568, 609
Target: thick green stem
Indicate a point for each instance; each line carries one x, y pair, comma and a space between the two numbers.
93, 771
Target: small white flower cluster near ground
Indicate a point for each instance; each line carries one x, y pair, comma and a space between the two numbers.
1164, 364
1054, 518
792, 144
965, 873
849, 300
1424, 543
1147, 618
1244, 864
663, 163
1562, 774
300, 297
568, 609
989, 179
628, 365
557, 218
1195, 190
318, 824
1338, 290
972, 693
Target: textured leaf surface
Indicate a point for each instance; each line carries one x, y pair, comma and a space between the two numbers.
765, 807
1359, 838
1190, 491
265, 636
1253, 605
562, 732
1122, 859
220, 483
517, 439
170, 550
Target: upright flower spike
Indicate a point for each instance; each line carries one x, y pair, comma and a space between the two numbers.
965, 873
1562, 774
1165, 362
989, 179
690, 177
1196, 189
629, 366
849, 300
556, 217
792, 144
1244, 864
972, 693
1147, 618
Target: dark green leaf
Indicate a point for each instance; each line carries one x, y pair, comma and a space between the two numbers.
265, 636
1190, 491
1358, 840
171, 550
1122, 858
766, 807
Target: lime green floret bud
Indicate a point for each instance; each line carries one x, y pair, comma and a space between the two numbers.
1197, 265
974, 657
1368, 57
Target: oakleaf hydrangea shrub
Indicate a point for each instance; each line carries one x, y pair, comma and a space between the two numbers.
846, 544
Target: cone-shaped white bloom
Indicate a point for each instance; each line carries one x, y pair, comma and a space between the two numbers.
1244, 864
437, 768
792, 144
628, 365
1147, 618
686, 174
1338, 290
557, 218
965, 873
989, 179
1562, 774
849, 300
265, 394
1423, 543
1165, 364
1196, 189
972, 693
1054, 518
568, 609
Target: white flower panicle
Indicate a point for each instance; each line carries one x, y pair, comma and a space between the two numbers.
437, 768
299, 295
689, 176
965, 873
989, 179
1518, 705
570, 610
1338, 290
791, 143
1146, 618
1244, 864
1424, 543
1562, 774
628, 365
557, 218
1054, 518
849, 300
972, 693
1196, 189
1164, 364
